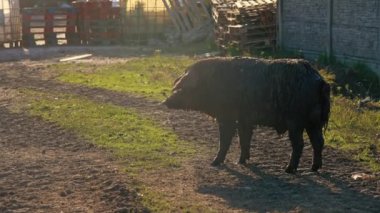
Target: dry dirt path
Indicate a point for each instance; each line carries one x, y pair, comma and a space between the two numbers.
44, 168
260, 186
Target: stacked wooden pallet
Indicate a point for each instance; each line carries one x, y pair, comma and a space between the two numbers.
46, 25
248, 25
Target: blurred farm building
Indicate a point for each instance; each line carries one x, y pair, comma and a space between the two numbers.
346, 30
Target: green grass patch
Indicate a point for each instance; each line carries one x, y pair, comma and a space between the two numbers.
133, 138
150, 77
355, 130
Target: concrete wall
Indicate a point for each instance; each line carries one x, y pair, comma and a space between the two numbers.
349, 29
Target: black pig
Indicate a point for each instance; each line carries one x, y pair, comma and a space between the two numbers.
286, 94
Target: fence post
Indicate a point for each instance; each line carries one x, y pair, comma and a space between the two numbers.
378, 53
123, 8
280, 24
330, 13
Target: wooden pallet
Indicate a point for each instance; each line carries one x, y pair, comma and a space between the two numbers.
245, 24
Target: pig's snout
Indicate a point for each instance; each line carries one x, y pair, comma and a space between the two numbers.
166, 103
169, 102
174, 101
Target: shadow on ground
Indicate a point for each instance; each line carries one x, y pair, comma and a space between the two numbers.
261, 191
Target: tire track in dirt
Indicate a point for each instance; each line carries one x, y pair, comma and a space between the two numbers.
260, 186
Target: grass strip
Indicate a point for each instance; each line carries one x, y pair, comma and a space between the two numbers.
150, 77
355, 130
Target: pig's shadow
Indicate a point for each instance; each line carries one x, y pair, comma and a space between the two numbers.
310, 193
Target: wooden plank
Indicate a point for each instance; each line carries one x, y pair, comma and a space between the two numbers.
239, 4
75, 57
260, 27
253, 3
258, 41
245, 4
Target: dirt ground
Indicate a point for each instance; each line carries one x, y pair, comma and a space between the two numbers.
44, 168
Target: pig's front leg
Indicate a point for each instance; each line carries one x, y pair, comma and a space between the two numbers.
227, 129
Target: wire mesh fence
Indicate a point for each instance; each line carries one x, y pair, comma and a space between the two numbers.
145, 19
10, 23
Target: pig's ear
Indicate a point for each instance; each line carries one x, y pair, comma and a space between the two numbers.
176, 80
187, 81
177, 83
190, 80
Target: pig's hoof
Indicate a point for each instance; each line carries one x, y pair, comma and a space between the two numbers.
242, 161
315, 167
216, 162
290, 170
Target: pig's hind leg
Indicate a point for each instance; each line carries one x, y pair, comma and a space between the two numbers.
245, 131
317, 142
296, 138
227, 130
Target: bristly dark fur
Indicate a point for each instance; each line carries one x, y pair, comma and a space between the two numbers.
287, 94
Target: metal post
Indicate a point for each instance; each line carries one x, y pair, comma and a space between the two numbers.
378, 15
280, 24
330, 9
123, 11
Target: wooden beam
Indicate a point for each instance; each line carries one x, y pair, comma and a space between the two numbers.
192, 17
194, 13
181, 14
177, 22
203, 4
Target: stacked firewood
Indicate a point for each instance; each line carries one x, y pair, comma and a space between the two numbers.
245, 24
